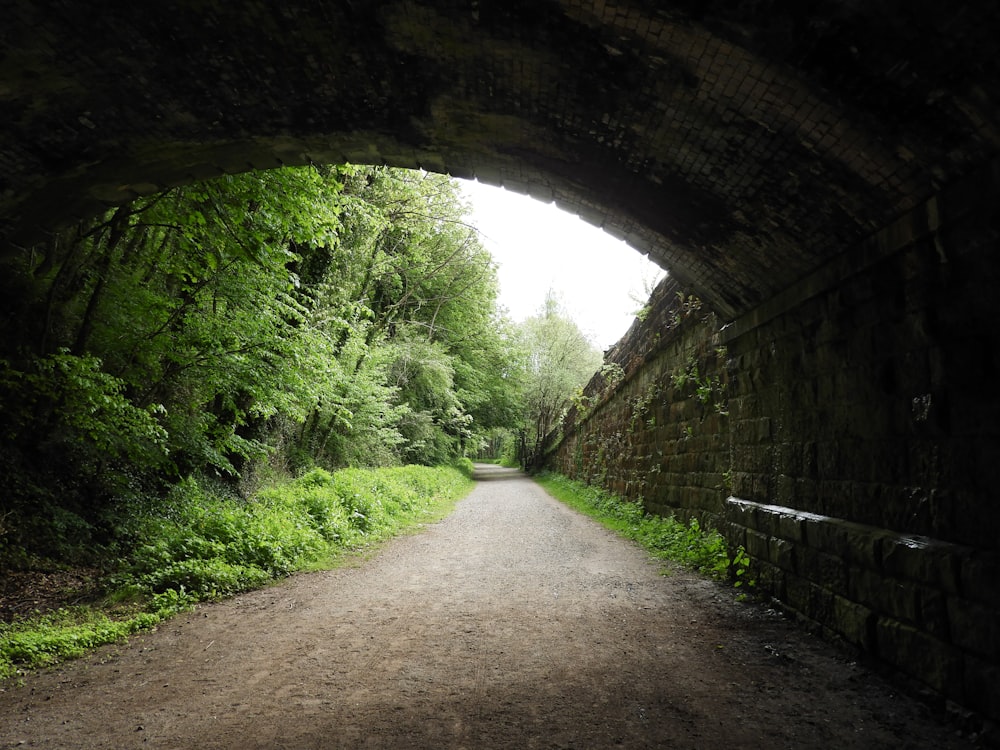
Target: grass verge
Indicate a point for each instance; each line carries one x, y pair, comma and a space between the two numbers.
204, 546
666, 538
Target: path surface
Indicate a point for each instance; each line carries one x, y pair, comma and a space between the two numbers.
514, 623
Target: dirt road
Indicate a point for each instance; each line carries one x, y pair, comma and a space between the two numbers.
514, 623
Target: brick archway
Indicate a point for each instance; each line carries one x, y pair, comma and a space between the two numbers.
740, 148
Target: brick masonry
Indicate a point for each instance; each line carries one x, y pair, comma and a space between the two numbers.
740, 145
845, 435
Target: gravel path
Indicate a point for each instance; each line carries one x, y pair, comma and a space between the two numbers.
513, 623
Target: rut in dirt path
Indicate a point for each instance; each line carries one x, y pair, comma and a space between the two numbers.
513, 623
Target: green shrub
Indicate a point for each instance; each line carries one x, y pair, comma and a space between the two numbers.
65, 634
465, 466
205, 545
205, 579
283, 528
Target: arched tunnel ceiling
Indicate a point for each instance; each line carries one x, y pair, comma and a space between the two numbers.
741, 145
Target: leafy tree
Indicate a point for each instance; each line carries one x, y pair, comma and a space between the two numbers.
560, 360
333, 316
431, 289
161, 336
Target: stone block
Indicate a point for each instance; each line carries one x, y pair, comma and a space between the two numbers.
797, 593
743, 483
715, 478
828, 458
265, 161
981, 681
920, 655
782, 554
974, 627
707, 499
461, 171
735, 534
933, 612
806, 499
758, 545
789, 525
979, 577
759, 430
884, 596
822, 569
742, 514
857, 544
820, 608
785, 490
854, 622
540, 192
924, 560
203, 171
770, 579
788, 458
488, 175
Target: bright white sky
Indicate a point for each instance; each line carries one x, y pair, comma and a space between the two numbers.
539, 247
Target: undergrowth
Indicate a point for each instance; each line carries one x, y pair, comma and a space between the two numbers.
701, 549
205, 546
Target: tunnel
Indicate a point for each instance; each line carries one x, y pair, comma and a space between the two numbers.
823, 178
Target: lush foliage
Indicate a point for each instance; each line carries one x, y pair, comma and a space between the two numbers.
698, 548
206, 545
250, 326
209, 545
65, 634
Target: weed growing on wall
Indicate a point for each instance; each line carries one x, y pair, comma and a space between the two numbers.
685, 307
709, 390
641, 406
701, 549
207, 546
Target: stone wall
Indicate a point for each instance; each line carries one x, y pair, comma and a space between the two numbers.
652, 427
845, 435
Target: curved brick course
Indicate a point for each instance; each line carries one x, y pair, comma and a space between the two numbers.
741, 148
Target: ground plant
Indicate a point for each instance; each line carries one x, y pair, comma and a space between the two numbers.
207, 545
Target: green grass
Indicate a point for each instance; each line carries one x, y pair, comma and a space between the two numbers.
64, 634
205, 546
701, 549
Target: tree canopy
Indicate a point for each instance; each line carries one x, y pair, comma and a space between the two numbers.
254, 325
267, 321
